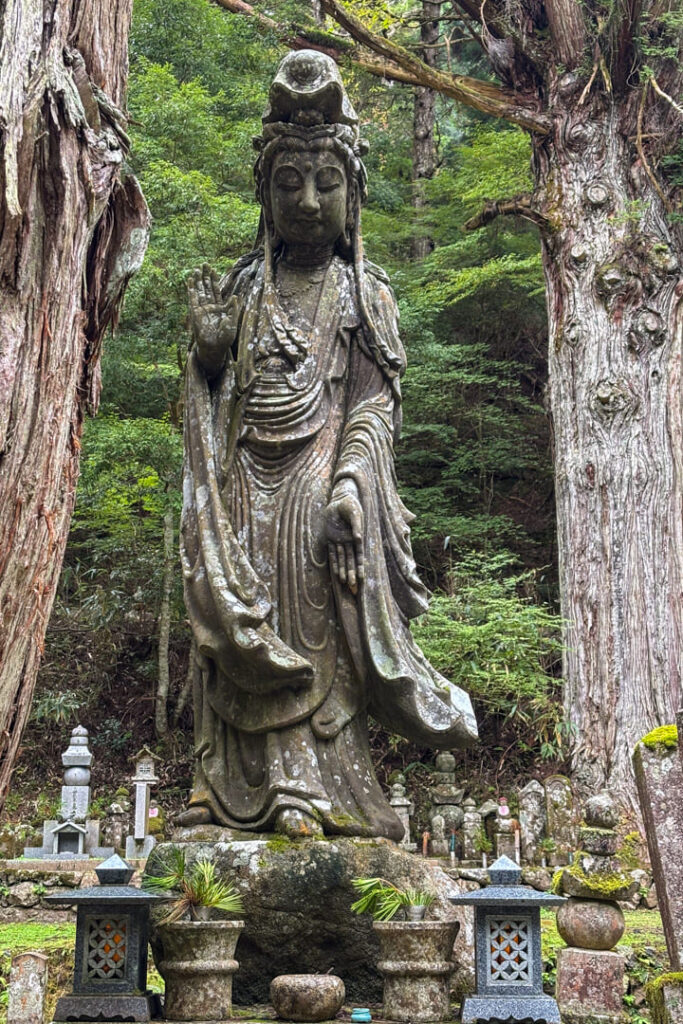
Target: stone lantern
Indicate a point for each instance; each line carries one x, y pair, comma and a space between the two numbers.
112, 925
509, 969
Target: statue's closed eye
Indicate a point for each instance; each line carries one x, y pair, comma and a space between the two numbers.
288, 178
329, 178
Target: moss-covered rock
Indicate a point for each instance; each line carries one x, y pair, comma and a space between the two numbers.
297, 905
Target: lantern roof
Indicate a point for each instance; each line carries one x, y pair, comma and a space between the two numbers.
504, 887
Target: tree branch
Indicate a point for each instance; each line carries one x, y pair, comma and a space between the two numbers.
518, 206
473, 92
292, 37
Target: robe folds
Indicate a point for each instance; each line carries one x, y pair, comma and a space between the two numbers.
289, 660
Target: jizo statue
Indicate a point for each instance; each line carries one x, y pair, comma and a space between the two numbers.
299, 576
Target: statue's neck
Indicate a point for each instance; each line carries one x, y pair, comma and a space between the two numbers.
307, 255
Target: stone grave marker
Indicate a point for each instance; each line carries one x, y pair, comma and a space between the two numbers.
659, 777
560, 816
532, 819
27, 988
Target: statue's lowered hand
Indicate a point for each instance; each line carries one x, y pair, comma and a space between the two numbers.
345, 535
212, 322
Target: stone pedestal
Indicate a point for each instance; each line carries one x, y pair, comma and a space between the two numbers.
665, 999
297, 904
590, 986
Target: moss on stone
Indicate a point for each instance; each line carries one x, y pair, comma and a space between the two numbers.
604, 886
556, 886
279, 844
655, 996
665, 737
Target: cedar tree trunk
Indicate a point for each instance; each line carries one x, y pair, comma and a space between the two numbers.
613, 274
424, 111
599, 88
73, 228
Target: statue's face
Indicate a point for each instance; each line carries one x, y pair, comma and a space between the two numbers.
308, 196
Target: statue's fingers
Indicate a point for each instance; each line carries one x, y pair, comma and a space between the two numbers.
351, 568
200, 289
192, 285
333, 559
341, 558
216, 287
360, 563
208, 281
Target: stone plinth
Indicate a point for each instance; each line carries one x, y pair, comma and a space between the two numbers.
659, 777
665, 998
27, 988
297, 898
590, 986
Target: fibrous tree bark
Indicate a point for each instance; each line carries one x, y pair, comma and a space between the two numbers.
73, 228
424, 115
598, 87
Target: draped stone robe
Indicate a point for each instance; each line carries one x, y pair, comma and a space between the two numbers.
289, 660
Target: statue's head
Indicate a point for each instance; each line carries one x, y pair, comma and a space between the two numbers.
310, 180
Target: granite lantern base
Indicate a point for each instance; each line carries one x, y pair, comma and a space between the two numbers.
590, 986
509, 969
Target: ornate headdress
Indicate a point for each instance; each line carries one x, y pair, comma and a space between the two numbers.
307, 99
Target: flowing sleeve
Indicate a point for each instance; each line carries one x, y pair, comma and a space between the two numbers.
227, 602
407, 695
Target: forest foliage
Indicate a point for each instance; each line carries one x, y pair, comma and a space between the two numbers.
474, 461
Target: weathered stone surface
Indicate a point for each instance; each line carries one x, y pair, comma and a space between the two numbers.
590, 986
591, 924
560, 815
601, 811
307, 997
598, 840
23, 895
197, 964
538, 878
532, 819
27, 988
415, 959
659, 777
665, 999
297, 899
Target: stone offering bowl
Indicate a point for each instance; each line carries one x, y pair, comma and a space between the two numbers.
307, 997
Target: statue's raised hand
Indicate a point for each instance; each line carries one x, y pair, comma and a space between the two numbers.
212, 328
344, 518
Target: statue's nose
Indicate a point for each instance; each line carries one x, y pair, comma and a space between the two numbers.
309, 202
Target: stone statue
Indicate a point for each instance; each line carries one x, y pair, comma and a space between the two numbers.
299, 576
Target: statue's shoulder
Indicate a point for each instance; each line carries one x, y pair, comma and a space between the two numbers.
239, 277
375, 272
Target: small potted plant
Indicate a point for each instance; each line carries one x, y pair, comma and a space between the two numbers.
547, 847
197, 961
415, 954
483, 844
